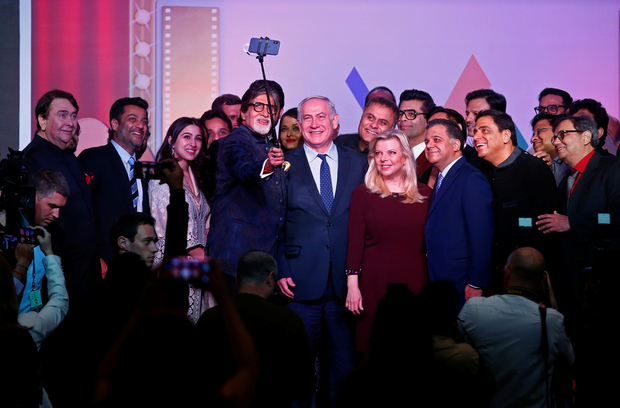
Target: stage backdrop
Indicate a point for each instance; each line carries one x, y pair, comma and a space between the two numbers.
335, 48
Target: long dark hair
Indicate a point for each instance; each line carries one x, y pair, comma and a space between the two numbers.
201, 164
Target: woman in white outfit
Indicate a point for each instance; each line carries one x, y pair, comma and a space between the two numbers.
186, 142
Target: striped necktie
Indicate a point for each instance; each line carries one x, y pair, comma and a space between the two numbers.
134, 183
437, 184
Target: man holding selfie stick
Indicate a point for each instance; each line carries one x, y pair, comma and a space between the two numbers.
249, 206
109, 169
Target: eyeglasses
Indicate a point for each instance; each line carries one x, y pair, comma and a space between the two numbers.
259, 107
562, 133
552, 109
410, 114
538, 131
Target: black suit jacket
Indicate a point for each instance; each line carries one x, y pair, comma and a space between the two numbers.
350, 140
76, 221
597, 191
111, 192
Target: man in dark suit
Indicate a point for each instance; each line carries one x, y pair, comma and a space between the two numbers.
249, 205
312, 255
459, 225
591, 189
110, 169
414, 105
56, 114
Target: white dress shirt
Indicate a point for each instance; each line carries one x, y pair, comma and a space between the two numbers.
315, 165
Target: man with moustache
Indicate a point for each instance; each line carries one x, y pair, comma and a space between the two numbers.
313, 248
378, 116
110, 168
56, 115
249, 205
414, 105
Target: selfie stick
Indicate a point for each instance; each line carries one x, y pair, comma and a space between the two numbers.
262, 52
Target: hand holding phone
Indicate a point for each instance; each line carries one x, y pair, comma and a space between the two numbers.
148, 170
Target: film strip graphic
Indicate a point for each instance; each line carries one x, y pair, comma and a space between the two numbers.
142, 56
189, 72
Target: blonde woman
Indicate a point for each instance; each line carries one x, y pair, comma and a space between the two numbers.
386, 229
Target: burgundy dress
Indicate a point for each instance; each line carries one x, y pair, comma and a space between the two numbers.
386, 241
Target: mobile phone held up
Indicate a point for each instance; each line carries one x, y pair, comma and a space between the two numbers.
264, 46
148, 170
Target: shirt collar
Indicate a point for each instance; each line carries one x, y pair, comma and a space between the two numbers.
122, 152
511, 159
449, 166
581, 166
418, 149
311, 154
524, 292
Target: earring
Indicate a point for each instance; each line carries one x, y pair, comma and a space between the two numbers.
173, 152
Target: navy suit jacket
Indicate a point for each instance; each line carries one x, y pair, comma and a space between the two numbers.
111, 192
313, 238
248, 211
459, 228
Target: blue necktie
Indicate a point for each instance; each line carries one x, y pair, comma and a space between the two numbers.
134, 183
327, 192
438, 183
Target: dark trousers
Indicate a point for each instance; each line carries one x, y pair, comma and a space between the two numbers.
329, 313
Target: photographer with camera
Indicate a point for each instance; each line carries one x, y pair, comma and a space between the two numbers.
52, 191
519, 340
22, 336
81, 343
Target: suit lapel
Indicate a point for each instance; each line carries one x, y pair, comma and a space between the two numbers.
305, 173
583, 182
446, 183
118, 168
344, 168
